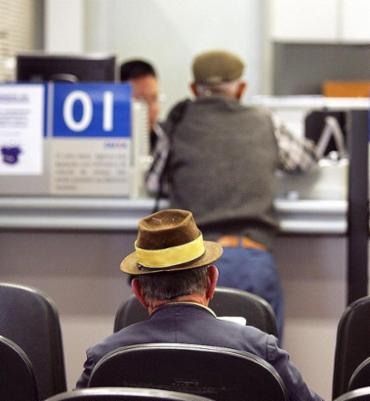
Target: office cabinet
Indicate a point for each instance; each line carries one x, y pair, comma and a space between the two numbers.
320, 21
355, 21
304, 20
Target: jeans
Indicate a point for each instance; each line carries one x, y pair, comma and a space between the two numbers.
254, 271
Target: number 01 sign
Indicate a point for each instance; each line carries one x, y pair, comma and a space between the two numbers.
91, 110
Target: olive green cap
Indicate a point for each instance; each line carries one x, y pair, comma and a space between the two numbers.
217, 66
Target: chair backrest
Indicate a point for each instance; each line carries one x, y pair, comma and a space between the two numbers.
361, 375
352, 343
30, 319
125, 394
226, 302
361, 394
219, 373
17, 381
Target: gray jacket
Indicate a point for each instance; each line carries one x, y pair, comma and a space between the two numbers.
192, 324
222, 166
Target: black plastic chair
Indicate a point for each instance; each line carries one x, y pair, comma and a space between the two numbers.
30, 319
17, 381
124, 394
226, 302
361, 376
219, 373
361, 394
352, 343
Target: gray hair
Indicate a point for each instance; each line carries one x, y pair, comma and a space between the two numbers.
171, 285
223, 89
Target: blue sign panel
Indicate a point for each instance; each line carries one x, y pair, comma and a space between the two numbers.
92, 110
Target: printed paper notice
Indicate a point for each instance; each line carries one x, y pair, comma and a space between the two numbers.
21, 129
90, 166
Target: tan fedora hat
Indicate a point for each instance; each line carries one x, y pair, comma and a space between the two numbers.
169, 240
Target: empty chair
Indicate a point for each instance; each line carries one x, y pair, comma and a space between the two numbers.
30, 319
124, 394
352, 343
361, 375
219, 373
256, 310
17, 381
361, 394
226, 302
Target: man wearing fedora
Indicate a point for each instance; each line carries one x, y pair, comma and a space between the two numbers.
173, 275
221, 166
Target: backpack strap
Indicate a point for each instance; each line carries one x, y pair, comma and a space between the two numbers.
174, 118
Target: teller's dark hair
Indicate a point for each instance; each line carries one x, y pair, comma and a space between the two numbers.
134, 69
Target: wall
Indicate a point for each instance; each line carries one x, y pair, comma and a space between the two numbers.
60, 36
313, 273
170, 33
302, 68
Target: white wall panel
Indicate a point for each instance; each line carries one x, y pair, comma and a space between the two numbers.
355, 21
304, 20
170, 33
64, 26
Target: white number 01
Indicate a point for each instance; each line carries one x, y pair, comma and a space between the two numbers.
87, 111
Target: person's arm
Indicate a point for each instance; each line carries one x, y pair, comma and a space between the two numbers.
296, 387
295, 154
160, 154
156, 178
83, 381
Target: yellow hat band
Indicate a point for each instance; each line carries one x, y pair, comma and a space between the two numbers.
173, 256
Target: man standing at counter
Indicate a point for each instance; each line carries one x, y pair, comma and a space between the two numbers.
221, 166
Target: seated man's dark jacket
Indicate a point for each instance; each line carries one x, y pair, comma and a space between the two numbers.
193, 324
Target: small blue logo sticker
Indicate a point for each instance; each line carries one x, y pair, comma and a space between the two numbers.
10, 154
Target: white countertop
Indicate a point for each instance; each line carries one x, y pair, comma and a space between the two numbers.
116, 214
310, 102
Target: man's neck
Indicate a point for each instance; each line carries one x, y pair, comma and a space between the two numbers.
193, 298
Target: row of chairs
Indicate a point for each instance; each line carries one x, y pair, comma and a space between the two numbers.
30, 320
227, 302
136, 365
152, 366
215, 372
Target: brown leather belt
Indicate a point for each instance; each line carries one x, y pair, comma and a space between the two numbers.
233, 241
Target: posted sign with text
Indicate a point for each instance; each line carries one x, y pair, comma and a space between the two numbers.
90, 139
21, 129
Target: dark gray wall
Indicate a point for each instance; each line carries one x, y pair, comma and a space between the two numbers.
39, 24
301, 68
